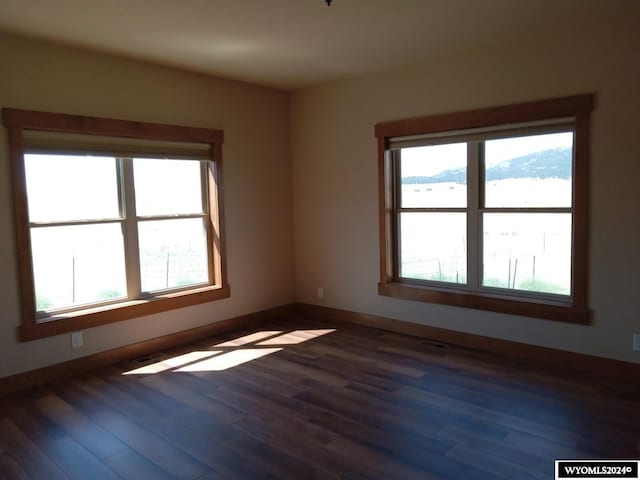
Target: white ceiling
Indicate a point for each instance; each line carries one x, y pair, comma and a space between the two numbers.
288, 44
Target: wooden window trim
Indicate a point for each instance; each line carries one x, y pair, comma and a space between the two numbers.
576, 310
16, 122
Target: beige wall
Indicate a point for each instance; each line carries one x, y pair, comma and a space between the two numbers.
335, 183
257, 180
328, 131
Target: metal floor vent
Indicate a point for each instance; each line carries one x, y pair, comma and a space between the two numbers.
433, 344
153, 358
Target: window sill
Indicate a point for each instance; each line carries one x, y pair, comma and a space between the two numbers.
48, 326
481, 301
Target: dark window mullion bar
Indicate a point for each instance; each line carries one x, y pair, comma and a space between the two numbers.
397, 204
482, 200
474, 229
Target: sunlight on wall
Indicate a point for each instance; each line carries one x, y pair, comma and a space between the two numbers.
231, 353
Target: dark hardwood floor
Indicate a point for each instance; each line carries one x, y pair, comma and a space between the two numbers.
307, 399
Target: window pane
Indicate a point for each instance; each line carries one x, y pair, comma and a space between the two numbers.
528, 251
77, 265
533, 171
434, 246
434, 176
167, 187
173, 253
71, 187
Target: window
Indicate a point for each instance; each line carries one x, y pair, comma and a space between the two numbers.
114, 219
487, 209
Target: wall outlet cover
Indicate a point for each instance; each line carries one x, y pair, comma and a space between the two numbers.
636, 342
320, 292
77, 340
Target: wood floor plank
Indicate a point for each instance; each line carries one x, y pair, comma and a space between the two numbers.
95, 439
76, 461
543, 448
171, 460
315, 399
10, 469
496, 465
302, 368
23, 451
208, 449
130, 465
460, 411
307, 443
191, 398
377, 464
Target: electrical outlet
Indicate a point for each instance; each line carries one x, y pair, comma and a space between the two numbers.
320, 293
77, 340
636, 342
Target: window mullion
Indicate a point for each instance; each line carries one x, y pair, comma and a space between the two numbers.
474, 236
204, 188
208, 226
130, 229
396, 164
171, 217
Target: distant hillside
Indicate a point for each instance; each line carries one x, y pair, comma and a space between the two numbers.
553, 163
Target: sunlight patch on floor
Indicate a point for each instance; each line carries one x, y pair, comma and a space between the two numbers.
251, 338
173, 362
228, 360
295, 337
232, 352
